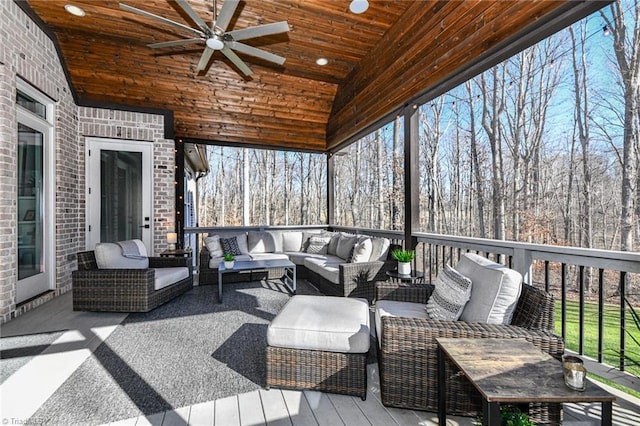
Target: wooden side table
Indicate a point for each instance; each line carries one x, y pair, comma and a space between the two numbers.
176, 253
511, 371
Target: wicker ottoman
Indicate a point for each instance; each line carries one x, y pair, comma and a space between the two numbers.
320, 343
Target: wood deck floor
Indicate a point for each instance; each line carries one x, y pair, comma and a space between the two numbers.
20, 398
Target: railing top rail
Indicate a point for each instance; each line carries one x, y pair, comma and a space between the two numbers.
207, 229
606, 259
397, 235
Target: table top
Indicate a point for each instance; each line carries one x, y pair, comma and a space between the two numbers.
514, 370
413, 276
246, 265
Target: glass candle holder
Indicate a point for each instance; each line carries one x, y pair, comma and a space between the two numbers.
575, 375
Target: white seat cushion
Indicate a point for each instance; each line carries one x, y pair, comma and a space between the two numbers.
322, 323
269, 256
326, 266
393, 308
109, 256
495, 290
298, 257
215, 261
167, 276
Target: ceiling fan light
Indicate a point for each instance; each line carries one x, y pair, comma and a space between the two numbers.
359, 6
74, 10
214, 43
322, 61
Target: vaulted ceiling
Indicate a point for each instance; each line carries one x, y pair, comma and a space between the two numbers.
378, 61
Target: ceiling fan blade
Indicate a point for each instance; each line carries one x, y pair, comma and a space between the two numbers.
237, 61
226, 13
159, 18
260, 30
258, 53
204, 59
193, 15
174, 43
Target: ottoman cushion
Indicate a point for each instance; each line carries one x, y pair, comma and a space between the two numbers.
322, 323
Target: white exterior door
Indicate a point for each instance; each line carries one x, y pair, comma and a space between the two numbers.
119, 186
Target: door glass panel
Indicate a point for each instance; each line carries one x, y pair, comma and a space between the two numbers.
121, 196
30, 220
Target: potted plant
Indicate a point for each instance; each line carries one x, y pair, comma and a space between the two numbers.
229, 260
404, 258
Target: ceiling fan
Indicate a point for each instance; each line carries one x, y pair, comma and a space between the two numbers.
217, 37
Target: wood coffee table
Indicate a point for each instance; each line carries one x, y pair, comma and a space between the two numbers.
289, 279
511, 371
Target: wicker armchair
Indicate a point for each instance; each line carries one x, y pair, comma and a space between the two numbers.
408, 351
123, 290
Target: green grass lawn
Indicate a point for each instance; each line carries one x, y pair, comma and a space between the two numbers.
611, 334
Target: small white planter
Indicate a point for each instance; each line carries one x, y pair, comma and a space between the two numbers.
228, 265
404, 268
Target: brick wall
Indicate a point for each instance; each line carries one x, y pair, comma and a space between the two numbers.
27, 52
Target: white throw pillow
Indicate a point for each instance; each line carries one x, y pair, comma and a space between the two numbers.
213, 245
109, 256
452, 292
380, 249
362, 251
495, 293
318, 245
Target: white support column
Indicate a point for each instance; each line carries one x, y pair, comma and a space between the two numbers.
522, 262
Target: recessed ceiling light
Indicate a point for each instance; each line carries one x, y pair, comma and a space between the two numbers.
322, 61
74, 10
359, 6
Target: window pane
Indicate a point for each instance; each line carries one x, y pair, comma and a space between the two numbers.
32, 105
30, 169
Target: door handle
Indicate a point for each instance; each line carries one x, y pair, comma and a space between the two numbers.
144, 226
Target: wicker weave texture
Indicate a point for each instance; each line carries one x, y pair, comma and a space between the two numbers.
408, 354
334, 372
123, 290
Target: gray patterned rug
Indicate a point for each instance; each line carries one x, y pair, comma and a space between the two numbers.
187, 351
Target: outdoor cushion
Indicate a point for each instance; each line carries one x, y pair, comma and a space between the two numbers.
269, 256
345, 244
394, 308
298, 257
291, 241
213, 245
452, 292
494, 290
318, 245
379, 249
327, 267
322, 323
262, 242
308, 234
362, 250
109, 256
241, 237
333, 245
164, 277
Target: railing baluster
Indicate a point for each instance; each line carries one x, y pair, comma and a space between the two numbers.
563, 289
600, 313
623, 320
546, 276
444, 256
581, 311
437, 262
430, 262
450, 255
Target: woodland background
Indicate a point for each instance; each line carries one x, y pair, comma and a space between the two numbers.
544, 148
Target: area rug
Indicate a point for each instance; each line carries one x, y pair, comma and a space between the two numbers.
187, 351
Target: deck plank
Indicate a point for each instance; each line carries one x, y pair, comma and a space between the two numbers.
202, 414
375, 412
177, 417
250, 406
299, 410
151, 420
226, 412
348, 410
323, 410
275, 408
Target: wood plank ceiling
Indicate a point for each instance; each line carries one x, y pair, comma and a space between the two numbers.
377, 62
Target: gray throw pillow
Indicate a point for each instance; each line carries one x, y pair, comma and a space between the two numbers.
230, 246
345, 244
452, 292
318, 245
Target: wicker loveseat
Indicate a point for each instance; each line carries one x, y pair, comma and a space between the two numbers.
408, 351
124, 290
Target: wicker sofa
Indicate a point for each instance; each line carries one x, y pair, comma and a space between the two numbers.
332, 275
407, 351
124, 290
